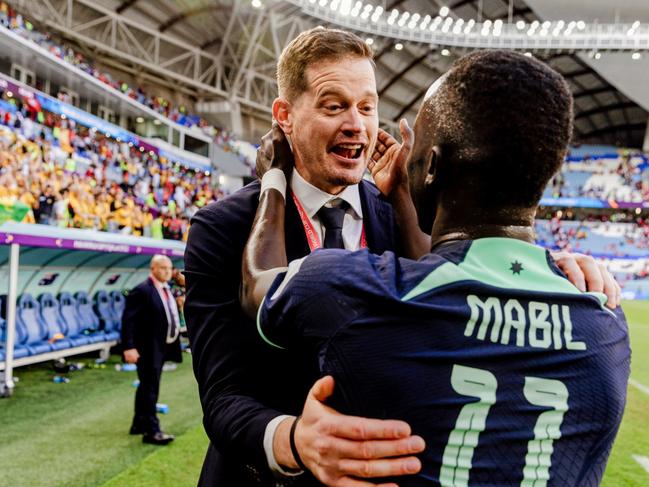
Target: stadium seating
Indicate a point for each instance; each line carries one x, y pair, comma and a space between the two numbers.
30, 332
104, 308
48, 324
76, 329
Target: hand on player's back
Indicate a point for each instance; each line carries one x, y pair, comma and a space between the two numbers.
342, 450
587, 274
274, 152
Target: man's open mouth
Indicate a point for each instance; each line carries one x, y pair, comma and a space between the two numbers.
348, 151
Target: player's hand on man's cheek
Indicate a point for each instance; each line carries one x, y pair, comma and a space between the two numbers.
274, 151
589, 275
342, 450
388, 162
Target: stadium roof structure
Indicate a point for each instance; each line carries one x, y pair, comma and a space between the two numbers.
226, 50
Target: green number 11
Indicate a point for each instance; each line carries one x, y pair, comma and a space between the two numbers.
462, 441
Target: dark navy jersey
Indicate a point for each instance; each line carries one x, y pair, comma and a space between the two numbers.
511, 375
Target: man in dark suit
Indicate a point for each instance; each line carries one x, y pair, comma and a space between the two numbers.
250, 392
151, 335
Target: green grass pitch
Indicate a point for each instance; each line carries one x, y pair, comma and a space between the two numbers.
75, 435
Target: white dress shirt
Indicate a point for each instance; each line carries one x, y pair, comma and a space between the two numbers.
312, 199
160, 286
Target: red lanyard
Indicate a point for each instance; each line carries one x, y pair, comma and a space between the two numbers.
310, 232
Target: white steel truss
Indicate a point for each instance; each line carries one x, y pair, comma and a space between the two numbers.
447, 31
242, 71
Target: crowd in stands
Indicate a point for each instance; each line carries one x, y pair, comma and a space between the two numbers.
622, 178
624, 247
178, 114
72, 176
596, 235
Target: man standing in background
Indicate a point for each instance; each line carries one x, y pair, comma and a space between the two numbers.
151, 335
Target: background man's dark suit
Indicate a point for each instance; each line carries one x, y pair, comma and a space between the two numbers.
243, 382
144, 327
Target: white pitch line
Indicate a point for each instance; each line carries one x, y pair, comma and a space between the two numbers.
642, 461
640, 387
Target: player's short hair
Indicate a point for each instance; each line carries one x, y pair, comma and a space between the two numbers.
314, 46
506, 120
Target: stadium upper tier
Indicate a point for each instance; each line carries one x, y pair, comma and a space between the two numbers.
178, 114
58, 172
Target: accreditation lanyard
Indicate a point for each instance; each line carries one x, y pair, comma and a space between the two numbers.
310, 232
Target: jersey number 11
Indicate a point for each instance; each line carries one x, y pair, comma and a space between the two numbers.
472, 382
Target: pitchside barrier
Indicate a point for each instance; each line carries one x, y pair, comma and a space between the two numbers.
64, 290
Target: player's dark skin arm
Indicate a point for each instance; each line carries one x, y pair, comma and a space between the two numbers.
265, 253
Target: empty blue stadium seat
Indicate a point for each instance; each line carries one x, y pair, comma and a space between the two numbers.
104, 309
88, 320
30, 332
72, 322
19, 351
118, 303
52, 321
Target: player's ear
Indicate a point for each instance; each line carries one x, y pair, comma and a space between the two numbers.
433, 159
282, 114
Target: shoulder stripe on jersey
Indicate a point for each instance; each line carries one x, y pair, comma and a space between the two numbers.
490, 261
259, 328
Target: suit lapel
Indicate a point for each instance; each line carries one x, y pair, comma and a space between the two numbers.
157, 300
378, 220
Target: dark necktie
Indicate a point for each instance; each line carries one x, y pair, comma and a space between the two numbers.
332, 219
171, 331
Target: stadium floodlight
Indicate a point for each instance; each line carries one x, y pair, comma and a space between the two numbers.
636, 55
413, 20
345, 7
563, 35
447, 25
598, 55
377, 14
369, 41
398, 46
404, 18
445, 52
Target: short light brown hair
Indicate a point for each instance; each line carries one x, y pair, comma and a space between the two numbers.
314, 46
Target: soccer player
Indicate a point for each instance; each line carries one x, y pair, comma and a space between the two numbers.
510, 374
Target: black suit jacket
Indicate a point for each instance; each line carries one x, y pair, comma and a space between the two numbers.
144, 326
243, 382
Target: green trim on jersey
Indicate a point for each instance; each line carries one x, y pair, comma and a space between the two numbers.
490, 261
261, 332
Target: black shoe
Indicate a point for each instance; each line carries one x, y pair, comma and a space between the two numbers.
136, 430
158, 438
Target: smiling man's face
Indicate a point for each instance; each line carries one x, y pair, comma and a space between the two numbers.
334, 124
